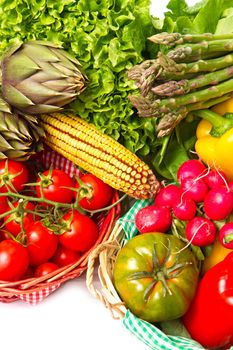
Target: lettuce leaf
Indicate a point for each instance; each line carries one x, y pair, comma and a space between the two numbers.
108, 37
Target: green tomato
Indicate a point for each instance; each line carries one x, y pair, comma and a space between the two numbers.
155, 276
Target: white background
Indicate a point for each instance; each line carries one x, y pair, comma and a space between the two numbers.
71, 318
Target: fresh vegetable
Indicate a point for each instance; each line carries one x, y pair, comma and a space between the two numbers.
99, 154
107, 38
167, 196
41, 243
14, 260
45, 269
215, 149
13, 175
3, 204
20, 134
218, 203
215, 178
64, 256
79, 231
93, 193
195, 189
191, 169
226, 235
184, 209
153, 218
55, 185
200, 231
213, 297
21, 216
48, 78
154, 277
217, 254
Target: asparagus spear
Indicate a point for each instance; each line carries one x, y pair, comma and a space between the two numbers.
172, 39
174, 88
202, 50
169, 121
181, 69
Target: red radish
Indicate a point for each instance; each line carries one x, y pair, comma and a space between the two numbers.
153, 219
191, 168
215, 178
200, 231
230, 185
195, 189
226, 235
218, 203
185, 209
168, 196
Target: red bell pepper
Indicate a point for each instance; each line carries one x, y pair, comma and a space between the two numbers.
209, 320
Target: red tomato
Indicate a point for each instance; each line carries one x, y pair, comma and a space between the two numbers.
45, 269
16, 221
3, 204
64, 256
41, 243
81, 233
94, 193
14, 260
55, 185
13, 174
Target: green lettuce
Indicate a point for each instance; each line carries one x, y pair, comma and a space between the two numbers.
108, 37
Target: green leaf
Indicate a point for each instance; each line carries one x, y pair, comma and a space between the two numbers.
175, 327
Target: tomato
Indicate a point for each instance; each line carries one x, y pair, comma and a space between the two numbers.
15, 222
45, 269
64, 256
3, 204
154, 277
55, 185
94, 193
41, 243
81, 233
14, 260
13, 175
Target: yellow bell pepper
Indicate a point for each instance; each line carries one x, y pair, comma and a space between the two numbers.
218, 253
214, 144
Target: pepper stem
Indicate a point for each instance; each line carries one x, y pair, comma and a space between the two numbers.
220, 124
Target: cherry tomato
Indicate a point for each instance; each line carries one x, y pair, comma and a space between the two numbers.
45, 269
64, 256
15, 222
55, 185
3, 204
41, 243
13, 174
14, 260
81, 234
94, 193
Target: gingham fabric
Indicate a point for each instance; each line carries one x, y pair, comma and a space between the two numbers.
150, 335
37, 296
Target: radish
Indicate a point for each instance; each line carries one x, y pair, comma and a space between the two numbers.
195, 189
215, 178
185, 209
168, 196
191, 168
226, 235
230, 185
153, 219
200, 231
218, 203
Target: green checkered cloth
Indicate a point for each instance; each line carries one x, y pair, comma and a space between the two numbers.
150, 335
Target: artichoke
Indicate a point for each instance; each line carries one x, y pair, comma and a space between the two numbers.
40, 77
20, 135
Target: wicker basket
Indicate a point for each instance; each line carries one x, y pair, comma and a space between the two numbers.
34, 290
102, 259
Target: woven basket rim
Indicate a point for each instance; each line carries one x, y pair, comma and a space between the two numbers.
102, 260
10, 291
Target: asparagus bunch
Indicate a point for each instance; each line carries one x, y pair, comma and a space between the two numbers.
196, 72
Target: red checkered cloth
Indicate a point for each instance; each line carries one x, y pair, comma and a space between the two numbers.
37, 296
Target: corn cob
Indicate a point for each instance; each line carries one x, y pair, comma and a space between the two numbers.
99, 154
